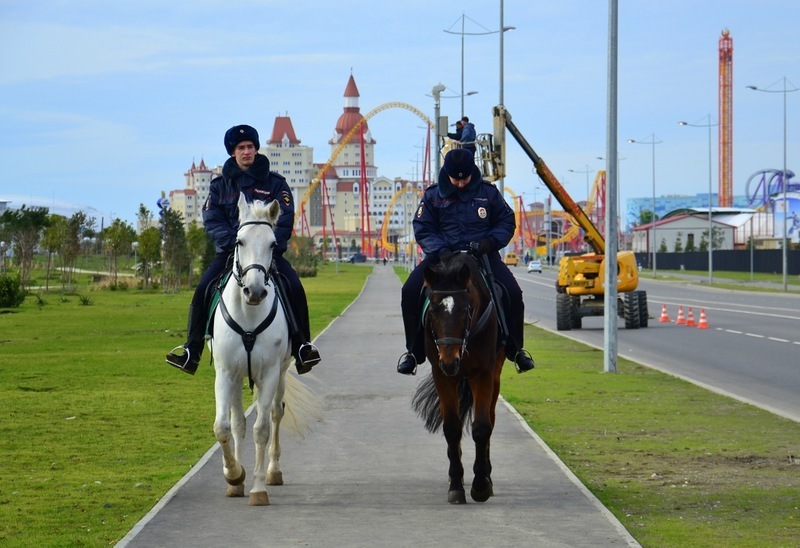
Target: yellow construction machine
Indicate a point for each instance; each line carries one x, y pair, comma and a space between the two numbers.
581, 278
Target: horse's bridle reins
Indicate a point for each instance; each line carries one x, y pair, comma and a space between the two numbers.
249, 337
471, 329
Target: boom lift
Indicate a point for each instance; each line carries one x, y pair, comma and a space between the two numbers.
581, 278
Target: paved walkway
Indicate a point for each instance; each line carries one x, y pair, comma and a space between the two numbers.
370, 474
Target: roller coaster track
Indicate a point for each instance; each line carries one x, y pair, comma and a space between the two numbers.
346, 139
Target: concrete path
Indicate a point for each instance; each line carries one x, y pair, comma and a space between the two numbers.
371, 475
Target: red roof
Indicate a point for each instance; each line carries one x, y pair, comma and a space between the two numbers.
351, 90
283, 127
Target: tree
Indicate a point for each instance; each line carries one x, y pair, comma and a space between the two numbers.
678, 243
149, 253
52, 241
174, 253
197, 242
118, 239
25, 227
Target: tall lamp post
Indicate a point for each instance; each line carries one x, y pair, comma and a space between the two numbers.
785, 245
652, 142
463, 33
709, 125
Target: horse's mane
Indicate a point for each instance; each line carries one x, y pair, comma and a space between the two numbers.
446, 272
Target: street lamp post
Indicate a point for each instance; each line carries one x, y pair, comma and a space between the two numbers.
463, 33
652, 142
436, 92
709, 125
785, 245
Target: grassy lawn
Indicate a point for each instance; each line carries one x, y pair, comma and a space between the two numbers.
97, 428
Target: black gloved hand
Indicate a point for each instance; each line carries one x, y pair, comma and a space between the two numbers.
483, 247
445, 256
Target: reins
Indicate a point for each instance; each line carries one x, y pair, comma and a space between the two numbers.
471, 329
249, 337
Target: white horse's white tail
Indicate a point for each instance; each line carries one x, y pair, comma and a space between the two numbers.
302, 405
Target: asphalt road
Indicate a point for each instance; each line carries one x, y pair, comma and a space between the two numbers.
750, 352
369, 474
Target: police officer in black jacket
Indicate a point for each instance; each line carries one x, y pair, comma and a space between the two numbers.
462, 213
247, 172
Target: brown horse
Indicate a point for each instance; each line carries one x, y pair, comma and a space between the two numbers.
461, 342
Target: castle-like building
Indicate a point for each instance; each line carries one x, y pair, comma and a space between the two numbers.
343, 195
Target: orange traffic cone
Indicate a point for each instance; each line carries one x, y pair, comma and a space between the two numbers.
680, 320
664, 316
690, 319
703, 320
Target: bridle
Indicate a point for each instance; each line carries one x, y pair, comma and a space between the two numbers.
470, 329
249, 337
238, 271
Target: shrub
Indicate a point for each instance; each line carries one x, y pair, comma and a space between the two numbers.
11, 294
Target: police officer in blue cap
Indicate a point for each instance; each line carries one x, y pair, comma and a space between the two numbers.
462, 213
247, 172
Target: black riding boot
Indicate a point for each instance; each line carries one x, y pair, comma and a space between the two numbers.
407, 364
192, 349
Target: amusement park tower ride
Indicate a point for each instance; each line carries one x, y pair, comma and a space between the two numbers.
725, 119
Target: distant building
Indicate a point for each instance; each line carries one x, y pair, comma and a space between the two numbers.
634, 207
189, 200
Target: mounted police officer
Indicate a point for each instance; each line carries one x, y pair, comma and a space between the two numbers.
462, 213
247, 172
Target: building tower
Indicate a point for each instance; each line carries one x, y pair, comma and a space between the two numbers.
725, 119
348, 163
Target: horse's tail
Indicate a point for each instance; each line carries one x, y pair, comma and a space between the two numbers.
426, 403
302, 406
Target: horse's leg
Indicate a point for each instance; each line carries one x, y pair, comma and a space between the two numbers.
231, 467
483, 393
453, 429
274, 474
261, 434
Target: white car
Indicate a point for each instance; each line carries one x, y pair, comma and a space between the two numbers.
535, 266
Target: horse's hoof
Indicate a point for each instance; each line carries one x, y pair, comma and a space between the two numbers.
235, 490
259, 498
275, 478
456, 497
482, 495
237, 481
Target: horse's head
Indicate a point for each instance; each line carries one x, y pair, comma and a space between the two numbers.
255, 242
452, 296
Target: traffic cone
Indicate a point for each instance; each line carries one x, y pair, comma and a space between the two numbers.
703, 320
664, 316
680, 320
690, 319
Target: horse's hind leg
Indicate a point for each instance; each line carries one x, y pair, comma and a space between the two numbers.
274, 473
232, 468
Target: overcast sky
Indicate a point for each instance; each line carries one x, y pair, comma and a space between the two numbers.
105, 104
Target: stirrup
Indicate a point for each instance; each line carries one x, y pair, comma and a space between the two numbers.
401, 363
523, 355
307, 357
185, 362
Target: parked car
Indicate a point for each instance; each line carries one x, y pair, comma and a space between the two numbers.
535, 265
511, 259
357, 258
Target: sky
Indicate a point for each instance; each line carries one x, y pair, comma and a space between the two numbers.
103, 105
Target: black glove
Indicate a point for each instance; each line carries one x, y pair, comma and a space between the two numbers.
483, 247
445, 256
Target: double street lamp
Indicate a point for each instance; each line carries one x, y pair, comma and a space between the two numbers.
709, 125
785, 245
652, 142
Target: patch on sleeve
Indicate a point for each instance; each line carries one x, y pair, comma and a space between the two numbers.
286, 197
419, 211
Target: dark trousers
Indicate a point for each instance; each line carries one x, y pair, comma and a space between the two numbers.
410, 305
297, 295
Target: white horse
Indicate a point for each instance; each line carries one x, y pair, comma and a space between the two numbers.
251, 341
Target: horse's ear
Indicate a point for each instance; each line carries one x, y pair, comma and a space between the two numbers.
274, 211
463, 274
429, 274
242, 207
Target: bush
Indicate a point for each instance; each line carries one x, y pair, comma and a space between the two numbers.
11, 294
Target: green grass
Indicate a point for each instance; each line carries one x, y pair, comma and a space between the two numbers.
97, 428
678, 465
